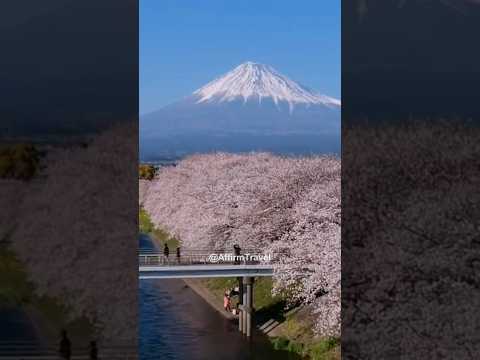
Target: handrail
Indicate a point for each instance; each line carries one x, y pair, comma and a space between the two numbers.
32, 351
202, 256
210, 251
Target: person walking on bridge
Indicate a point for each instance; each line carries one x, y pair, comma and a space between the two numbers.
166, 251
65, 346
178, 254
236, 252
93, 350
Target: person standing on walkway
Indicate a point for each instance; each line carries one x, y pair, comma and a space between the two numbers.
166, 251
178, 254
93, 350
226, 302
65, 346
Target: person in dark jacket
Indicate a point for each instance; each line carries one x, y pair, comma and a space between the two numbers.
178, 254
236, 252
65, 346
166, 251
93, 350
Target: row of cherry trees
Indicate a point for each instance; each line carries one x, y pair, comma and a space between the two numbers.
287, 206
410, 239
74, 228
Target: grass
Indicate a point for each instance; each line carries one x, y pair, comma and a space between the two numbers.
325, 349
322, 349
297, 337
262, 299
18, 292
158, 235
15, 289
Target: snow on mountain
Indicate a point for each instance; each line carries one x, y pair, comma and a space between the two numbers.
251, 108
257, 81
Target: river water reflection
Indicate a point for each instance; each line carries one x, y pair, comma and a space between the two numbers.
175, 323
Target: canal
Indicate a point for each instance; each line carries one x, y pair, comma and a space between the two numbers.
177, 324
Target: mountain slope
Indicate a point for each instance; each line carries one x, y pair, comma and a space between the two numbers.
258, 81
251, 100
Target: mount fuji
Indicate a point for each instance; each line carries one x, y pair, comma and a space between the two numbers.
251, 108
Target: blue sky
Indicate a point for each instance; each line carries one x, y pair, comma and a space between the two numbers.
186, 43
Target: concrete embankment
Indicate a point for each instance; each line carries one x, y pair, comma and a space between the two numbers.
207, 295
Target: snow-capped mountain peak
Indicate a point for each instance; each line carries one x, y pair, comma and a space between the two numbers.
256, 81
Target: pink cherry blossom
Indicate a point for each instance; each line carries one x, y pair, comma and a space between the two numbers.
283, 205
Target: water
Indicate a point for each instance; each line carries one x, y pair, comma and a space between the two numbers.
177, 324
18, 334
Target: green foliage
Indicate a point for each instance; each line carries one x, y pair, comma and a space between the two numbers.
15, 288
145, 224
146, 172
263, 293
17, 291
325, 349
218, 285
280, 343
59, 318
263, 299
20, 161
161, 237
284, 344
294, 347
297, 337
297, 330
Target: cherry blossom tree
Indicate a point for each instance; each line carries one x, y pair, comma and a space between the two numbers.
410, 238
288, 206
77, 232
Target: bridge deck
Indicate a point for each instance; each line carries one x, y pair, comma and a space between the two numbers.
205, 263
203, 271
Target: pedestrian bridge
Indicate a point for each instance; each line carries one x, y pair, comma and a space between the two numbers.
245, 266
203, 264
203, 271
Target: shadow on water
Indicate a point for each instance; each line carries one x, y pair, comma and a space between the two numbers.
176, 323
17, 328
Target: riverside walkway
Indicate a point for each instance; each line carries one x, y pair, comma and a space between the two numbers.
244, 266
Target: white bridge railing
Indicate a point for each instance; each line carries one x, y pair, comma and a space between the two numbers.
205, 257
27, 351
